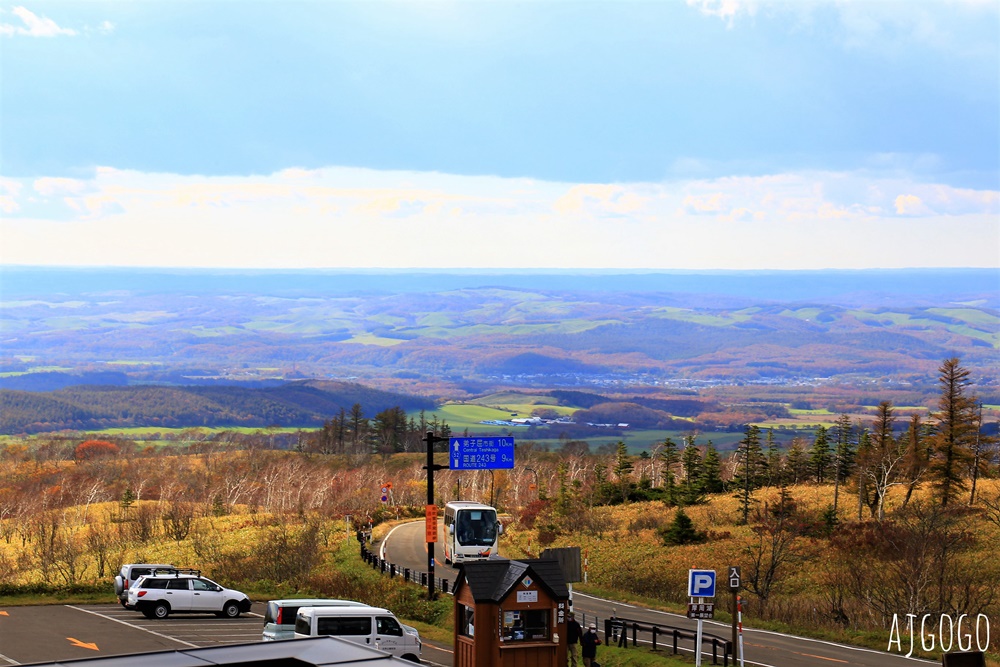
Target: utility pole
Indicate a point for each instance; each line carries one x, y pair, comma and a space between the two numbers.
431, 510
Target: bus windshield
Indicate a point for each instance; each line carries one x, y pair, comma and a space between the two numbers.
476, 528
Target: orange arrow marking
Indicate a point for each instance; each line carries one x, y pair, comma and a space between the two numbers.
3, 613
77, 642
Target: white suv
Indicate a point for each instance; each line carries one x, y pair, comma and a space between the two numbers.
158, 595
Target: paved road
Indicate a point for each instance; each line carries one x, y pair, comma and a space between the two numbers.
405, 546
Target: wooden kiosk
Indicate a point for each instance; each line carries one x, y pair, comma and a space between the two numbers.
511, 613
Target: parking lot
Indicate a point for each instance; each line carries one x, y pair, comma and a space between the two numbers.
61, 632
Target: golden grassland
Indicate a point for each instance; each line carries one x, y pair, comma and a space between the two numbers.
247, 547
626, 560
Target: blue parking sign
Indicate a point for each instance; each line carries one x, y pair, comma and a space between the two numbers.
701, 583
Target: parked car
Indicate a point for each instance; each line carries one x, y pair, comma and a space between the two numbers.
159, 595
131, 572
369, 626
279, 616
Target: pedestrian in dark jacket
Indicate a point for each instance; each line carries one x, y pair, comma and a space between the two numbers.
588, 645
573, 633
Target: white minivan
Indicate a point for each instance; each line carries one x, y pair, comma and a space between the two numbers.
279, 615
370, 626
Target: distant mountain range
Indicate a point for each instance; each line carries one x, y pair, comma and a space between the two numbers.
473, 330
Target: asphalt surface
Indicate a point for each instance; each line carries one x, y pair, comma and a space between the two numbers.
65, 632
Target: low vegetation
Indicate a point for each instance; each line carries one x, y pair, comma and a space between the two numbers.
834, 536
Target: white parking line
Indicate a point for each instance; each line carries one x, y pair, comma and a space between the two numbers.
9, 660
137, 627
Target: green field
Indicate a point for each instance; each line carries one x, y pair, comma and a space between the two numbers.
37, 369
139, 431
809, 413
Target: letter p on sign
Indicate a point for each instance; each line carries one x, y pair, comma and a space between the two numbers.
701, 583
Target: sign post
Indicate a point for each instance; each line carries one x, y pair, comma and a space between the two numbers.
431, 440
701, 584
734, 588
739, 616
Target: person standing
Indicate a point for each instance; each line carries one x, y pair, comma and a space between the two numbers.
588, 645
573, 633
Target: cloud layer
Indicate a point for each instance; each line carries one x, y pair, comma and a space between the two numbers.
349, 217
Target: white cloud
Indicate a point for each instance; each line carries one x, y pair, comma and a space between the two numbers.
49, 186
911, 205
9, 190
34, 25
871, 24
347, 217
727, 10
702, 204
600, 199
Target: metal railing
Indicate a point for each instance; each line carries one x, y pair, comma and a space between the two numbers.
416, 576
616, 631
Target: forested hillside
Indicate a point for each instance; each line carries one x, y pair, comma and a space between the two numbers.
302, 404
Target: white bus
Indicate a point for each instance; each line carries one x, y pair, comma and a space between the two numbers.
471, 531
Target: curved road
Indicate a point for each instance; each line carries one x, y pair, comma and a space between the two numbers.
405, 547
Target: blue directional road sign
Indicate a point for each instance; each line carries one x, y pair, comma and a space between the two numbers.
489, 453
701, 583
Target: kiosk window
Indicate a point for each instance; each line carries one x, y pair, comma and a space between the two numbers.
467, 621
529, 625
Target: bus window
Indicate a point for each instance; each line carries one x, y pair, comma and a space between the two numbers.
476, 528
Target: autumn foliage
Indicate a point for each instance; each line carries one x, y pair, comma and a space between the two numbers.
94, 449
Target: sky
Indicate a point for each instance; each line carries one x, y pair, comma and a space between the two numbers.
671, 134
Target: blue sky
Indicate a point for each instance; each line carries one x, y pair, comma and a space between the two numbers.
700, 134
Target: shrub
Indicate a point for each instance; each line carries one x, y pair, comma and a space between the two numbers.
94, 449
681, 531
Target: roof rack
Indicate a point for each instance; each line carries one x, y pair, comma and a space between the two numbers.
176, 571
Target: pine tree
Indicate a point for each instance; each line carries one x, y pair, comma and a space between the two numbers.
956, 432
819, 455
563, 503
796, 463
670, 458
885, 458
747, 479
692, 491
863, 460
915, 457
774, 467
623, 469
359, 428
711, 471
843, 456
681, 531
980, 454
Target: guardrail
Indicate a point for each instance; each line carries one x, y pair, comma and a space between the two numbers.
385, 567
616, 631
